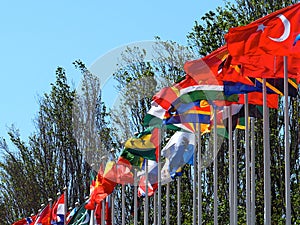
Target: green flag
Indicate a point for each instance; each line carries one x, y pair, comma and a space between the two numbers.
81, 217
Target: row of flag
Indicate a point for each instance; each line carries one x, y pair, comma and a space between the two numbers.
213, 83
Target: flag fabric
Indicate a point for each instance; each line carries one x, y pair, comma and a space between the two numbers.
144, 144
152, 179
179, 150
25, 221
105, 185
71, 213
82, 216
44, 216
193, 112
256, 98
58, 211
274, 34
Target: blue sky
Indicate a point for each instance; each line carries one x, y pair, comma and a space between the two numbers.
38, 36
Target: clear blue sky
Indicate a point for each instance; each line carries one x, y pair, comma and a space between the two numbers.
38, 36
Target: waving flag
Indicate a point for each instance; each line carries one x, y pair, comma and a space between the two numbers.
26, 221
274, 34
81, 217
44, 216
179, 150
58, 211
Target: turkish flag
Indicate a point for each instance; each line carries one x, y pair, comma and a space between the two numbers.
274, 34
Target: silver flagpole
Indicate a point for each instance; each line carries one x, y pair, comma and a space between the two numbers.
252, 172
215, 169
235, 192
199, 176
230, 153
247, 161
135, 207
112, 205
65, 204
159, 219
287, 144
123, 204
194, 185
168, 204
146, 205
178, 201
155, 209
103, 211
267, 175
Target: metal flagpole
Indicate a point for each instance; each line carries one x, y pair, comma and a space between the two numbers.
199, 176
65, 204
230, 153
159, 178
252, 172
123, 204
155, 209
103, 211
235, 196
215, 169
146, 203
194, 185
112, 205
287, 144
168, 204
267, 176
247, 161
178, 201
135, 198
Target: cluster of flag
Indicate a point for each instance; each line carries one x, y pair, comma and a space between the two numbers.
211, 84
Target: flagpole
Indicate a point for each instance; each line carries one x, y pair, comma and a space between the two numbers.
160, 132
247, 161
168, 204
65, 204
146, 206
235, 192
135, 197
199, 176
112, 205
215, 169
123, 204
287, 144
253, 217
267, 176
194, 185
103, 211
178, 201
230, 153
155, 209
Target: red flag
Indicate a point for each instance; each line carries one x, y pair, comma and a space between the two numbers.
256, 98
58, 210
274, 34
25, 221
44, 217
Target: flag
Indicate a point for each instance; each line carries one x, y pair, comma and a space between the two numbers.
192, 112
144, 144
43, 217
25, 221
58, 211
179, 150
72, 213
104, 186
152, 179
82, 216
274, 34
256, 98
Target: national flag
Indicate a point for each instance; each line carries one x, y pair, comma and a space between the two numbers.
98, 212
179, 150
58, 211
82, 216
274, 34
152, 179
25, 221
44, 216
192, 112
105, 185
256, 98
72, 212
144, 144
